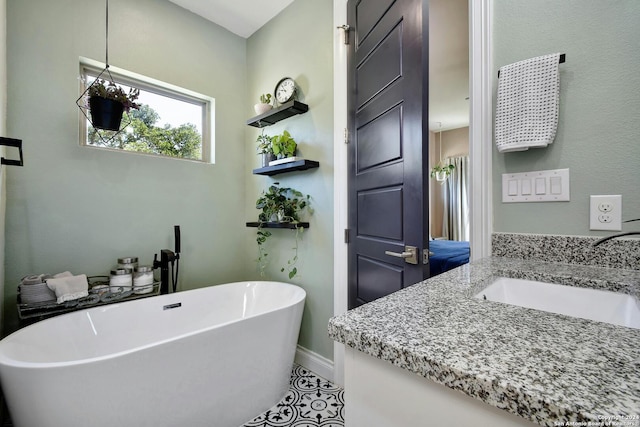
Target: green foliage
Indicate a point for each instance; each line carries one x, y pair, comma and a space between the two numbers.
284, 205
447, 169
110, 90
144, 136
264, 144
265, 98
284, 145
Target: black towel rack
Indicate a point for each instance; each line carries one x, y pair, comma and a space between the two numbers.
10, 142
563, 59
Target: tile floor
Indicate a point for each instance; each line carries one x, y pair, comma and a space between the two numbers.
311, 401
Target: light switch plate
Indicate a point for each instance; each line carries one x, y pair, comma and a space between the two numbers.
605, 213
536, 186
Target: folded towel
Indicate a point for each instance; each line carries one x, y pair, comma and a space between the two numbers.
528, 103
68, 287
33, 279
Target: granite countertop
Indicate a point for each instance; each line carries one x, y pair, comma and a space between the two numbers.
545, 367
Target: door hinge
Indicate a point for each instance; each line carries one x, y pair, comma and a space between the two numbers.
345, 32
346, 135
346, 236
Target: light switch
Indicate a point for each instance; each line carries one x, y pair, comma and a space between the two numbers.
536, 186
555, 182
541, 186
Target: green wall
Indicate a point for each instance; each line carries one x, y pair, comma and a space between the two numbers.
79, 208
298, 43
598, 131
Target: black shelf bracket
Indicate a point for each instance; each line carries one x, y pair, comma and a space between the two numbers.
16, 143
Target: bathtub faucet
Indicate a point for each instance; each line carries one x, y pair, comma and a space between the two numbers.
169, 257
166, 256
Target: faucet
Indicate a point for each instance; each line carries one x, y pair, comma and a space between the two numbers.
167, 256
626, 233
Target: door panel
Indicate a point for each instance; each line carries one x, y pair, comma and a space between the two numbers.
388, 191
380, 141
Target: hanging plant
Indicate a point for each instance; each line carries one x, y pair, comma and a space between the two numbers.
280, 205
107, 102
441, 173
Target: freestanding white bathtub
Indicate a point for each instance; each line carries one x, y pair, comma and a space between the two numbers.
215, 356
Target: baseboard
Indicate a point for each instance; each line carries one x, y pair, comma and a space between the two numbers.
319, 365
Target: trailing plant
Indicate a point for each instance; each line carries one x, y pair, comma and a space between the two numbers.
265, 98
439, 168
284, 145
110, 90
280, 204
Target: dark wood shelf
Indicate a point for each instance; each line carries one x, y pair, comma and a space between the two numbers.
289, 225
298, 165
274, 115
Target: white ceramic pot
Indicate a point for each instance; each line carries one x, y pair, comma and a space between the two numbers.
262, 108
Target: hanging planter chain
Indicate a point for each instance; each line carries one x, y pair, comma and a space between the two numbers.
82, 101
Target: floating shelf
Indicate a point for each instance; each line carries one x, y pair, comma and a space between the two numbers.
298, 165
273, 116
289, 225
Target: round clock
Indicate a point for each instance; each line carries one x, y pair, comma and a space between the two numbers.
285, 90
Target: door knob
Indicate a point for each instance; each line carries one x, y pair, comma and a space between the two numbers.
410, 254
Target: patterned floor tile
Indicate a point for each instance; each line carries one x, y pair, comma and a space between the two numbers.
310, 402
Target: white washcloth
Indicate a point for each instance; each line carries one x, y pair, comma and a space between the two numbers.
68, 287
528, 103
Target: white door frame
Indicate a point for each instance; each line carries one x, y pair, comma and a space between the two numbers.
480, 149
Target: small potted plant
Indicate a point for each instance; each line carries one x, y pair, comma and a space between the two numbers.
441, 173
284, 145
265, 148
107, 103
264, 105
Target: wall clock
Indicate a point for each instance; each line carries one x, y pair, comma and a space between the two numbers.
285, 90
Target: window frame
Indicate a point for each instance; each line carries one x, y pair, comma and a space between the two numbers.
92, 68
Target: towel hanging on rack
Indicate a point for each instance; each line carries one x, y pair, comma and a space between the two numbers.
528, 103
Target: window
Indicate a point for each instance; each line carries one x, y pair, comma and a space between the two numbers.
171, 121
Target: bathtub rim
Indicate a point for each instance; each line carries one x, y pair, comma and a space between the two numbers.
13, 363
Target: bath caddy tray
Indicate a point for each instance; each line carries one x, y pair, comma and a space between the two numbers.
43, 310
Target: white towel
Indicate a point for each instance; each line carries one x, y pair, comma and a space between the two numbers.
528, 103
68, 287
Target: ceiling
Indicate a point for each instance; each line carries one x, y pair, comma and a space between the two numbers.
448, 47
242, 17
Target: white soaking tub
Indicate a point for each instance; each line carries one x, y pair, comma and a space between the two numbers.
215, 356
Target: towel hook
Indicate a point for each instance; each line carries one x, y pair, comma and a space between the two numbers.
10, 142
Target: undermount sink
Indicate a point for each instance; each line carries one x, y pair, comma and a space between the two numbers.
593, 304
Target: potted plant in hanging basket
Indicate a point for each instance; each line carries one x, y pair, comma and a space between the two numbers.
265, 149
441, 173
264, 105
107, 103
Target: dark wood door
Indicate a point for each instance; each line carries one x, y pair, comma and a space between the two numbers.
388, 148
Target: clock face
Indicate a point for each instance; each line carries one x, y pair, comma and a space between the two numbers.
285, 89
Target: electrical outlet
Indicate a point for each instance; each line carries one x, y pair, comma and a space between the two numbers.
605, 213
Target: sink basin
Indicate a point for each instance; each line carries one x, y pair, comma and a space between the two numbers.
593, 304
